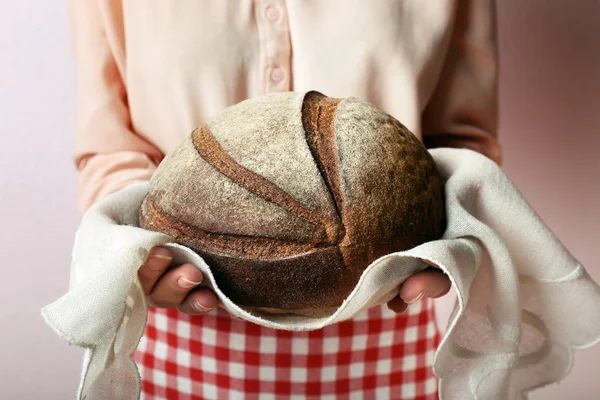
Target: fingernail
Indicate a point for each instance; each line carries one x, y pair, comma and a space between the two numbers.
161, 253
158, 254
184, 283
199, 307
399, 312
419, 297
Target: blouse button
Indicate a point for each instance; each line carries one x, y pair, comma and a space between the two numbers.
272, 13
277, 74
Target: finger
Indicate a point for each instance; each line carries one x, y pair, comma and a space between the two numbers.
397, 305
174, 286
430, 283
199, 301
157, 262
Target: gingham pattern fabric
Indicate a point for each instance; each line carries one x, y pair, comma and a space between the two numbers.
376, 355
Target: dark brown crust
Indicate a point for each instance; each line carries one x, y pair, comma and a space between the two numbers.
211, 151
318, 121
313, 280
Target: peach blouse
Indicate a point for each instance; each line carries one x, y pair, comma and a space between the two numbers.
149, 72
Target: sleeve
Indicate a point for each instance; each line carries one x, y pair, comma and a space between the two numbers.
108, 154
463, 110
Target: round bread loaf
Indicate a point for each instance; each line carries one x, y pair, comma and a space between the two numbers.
288, 197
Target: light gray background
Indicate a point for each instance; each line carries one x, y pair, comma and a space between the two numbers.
550, 129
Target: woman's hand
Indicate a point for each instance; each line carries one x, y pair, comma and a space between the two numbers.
174, 287
431, 283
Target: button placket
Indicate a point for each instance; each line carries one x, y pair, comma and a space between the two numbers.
275, 45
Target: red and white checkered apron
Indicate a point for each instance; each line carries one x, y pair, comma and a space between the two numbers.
376, 355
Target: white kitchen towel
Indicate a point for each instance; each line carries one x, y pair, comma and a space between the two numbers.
524, 303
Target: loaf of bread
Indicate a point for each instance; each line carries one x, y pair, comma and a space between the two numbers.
288, 197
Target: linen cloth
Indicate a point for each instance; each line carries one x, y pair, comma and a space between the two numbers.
524, 302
